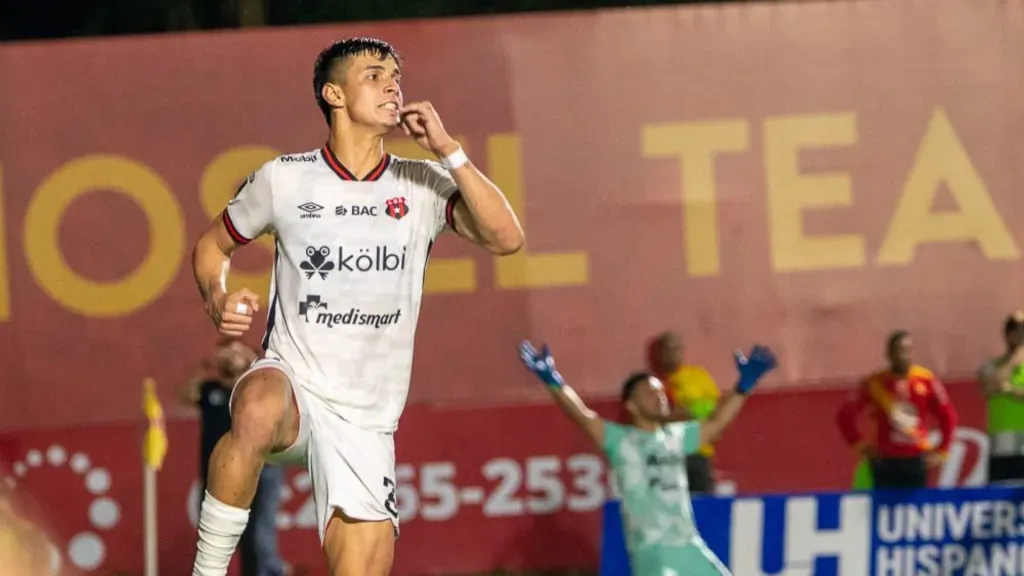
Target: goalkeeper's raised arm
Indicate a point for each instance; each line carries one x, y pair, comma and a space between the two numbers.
542, 364
644, 395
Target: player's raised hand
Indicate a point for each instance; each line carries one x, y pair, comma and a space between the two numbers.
753, 366
232, 313
421, 122
541, 363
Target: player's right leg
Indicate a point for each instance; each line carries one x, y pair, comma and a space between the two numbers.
264, 420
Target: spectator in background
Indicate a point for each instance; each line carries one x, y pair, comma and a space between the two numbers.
1002, 382
694, 396
210, 390
897, 400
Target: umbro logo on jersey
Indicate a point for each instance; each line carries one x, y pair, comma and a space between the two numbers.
317, 262
355, 210
314, 310
396, 208
310, 209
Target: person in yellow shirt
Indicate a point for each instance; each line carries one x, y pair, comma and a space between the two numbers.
694, 395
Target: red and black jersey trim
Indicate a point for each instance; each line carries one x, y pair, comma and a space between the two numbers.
345, 174
449, 209
232, 231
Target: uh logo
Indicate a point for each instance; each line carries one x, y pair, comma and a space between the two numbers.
826, 534
813, 535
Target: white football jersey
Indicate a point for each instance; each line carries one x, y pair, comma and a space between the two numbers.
348, 272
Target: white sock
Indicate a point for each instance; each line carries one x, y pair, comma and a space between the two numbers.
220, 528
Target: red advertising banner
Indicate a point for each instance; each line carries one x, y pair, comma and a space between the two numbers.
522, 480
809, 175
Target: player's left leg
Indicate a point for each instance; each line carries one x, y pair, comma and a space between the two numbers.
359, 547
353, 474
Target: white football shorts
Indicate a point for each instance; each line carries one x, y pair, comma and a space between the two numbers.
351, 469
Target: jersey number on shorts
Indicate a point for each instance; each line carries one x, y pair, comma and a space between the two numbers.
391, 504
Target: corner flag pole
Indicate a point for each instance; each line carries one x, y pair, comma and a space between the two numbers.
149, 506
154, 448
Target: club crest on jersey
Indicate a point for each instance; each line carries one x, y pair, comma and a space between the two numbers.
396, 208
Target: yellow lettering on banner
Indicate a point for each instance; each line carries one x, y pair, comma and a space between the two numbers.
696, 145
218, 185
791, 192
942, 158
166, 236
5, 275
522, 269
444, 275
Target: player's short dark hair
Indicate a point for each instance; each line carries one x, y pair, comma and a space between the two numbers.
340, 51
634, 380
895, 337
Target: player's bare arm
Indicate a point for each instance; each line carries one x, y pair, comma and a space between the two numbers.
483, 216
721, 418
572, 406
543, 366
211, 260
751, 368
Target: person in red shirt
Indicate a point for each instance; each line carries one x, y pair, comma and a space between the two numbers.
898, 402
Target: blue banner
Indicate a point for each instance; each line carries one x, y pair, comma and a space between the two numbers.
961, 532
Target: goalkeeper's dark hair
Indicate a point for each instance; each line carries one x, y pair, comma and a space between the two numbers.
632, 382
336, 53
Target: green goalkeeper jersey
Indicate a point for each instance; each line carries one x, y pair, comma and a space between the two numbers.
650, 471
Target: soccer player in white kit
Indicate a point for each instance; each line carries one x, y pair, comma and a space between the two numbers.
353, 228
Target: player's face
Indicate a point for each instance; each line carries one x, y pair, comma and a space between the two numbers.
649, 401
902, 354
373, 92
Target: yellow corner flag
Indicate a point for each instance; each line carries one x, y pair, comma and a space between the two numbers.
154, 448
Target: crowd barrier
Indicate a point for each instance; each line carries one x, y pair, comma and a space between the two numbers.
956, 532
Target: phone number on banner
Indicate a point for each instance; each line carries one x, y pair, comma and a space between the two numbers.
432, 491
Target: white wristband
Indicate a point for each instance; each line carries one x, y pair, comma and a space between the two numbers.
456, 159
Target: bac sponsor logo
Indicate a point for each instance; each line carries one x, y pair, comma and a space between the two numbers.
299, 158
369, 259
316, 311
310, 210
355, 210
